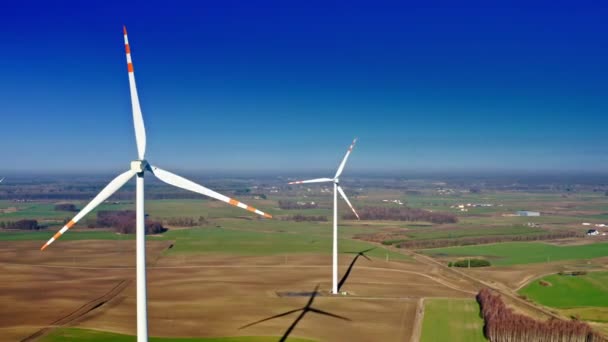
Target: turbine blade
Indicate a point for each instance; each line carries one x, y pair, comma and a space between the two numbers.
316, 180
181, 182
347, 201
269, 318
111, 188
328, 314
138, 120
341, 168
1, 179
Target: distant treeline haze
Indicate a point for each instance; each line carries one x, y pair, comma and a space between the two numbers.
124, 222
401, 214
305, 218
22, 225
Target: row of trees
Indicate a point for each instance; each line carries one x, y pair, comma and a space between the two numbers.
470, 263
21, 225
186, 221
422, 244
124, 222
286, 204
503, 325
65, 207
402, 214
305, 218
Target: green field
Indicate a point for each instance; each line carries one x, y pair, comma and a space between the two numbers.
220, 240
227, 240
452, 320
74, 334
514, 253
427, 234
585, 295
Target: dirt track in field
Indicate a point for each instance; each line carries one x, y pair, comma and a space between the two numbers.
208, 295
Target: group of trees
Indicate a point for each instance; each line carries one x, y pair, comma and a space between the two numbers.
21, 225
186, 221
401, 214
65, 207
470, 263
422, 244
124, 222
305, 218
286, 204
503, 325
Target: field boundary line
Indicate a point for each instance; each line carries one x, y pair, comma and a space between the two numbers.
81, 311
418, 321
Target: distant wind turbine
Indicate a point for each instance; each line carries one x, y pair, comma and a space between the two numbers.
2, 179
337, 188
138, 168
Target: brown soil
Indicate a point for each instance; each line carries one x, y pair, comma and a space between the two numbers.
211, 295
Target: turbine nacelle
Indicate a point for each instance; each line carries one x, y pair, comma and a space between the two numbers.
139, 166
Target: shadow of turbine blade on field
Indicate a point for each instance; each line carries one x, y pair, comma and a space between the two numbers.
308, 307
352, 264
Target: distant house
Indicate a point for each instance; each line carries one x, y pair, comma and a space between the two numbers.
592, 232
528, 213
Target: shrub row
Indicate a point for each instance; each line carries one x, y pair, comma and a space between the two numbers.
503, 325
401, 214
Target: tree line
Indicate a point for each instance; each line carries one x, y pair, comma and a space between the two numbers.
185, 221
124, 222
503, 325
65, 207
401, 214
305, 218
22, 225
423, 244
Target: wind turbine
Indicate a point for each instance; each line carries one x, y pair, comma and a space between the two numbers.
337, 188
2, 179
138, 168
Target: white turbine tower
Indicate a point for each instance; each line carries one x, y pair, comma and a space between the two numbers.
337, 188
138, 168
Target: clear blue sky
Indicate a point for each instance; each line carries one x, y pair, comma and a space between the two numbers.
286, 85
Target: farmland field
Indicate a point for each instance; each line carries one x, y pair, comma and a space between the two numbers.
513, 253
452, 320
72, 334
583, 295
208, 279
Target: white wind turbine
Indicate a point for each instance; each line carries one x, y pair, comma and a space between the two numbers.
337, 188
138, 168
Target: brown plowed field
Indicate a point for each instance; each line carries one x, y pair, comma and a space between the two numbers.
209, 295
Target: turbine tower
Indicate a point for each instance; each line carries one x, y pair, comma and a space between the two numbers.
337, 188
138, 168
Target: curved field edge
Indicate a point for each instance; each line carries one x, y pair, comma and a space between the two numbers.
76, 334
582, 296
454, 320
518, 253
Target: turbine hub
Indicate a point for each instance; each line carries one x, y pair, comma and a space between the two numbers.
139, 166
